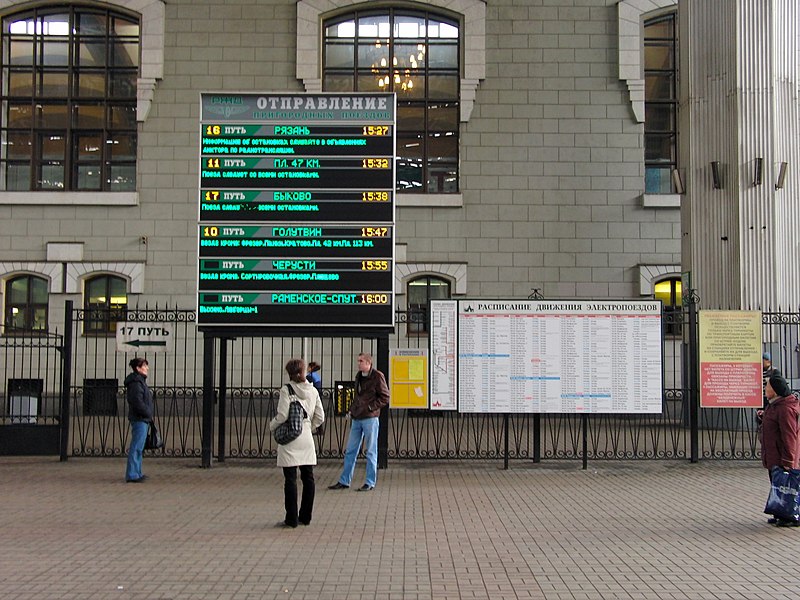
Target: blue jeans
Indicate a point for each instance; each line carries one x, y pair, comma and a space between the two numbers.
138, 436
367, 430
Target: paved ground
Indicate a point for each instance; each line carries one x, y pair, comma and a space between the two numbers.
436, 530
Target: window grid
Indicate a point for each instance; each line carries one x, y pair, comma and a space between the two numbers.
661, 103
421, 290
105, 303
365, 51
69, 77
26, 305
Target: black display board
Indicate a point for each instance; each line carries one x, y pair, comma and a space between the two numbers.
296, 210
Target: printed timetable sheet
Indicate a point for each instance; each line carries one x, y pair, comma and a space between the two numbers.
559, 356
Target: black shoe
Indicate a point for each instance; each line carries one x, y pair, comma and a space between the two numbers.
305, 523
788, 523
772, 521
365, 488
285, 525
140, 480
338, 486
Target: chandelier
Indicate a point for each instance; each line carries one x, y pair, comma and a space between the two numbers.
402, 77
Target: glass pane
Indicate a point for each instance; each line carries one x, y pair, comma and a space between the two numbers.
373, 83
442, 178
88, 116
123, 117
90, 85
658, 148
54, 85
410, 146
96, 290
89, 177
376, 26
52, 147
443, 117
442, 147
20, 84
20, 116
410, 117
439, 289
443, 56
39, 318
18, 178
657, 180
55, 25
443, 86
92, 53
21, 52
659, 117
409, 56
19, 146
373, 55
439, 29
91, 24
678, 292
17, 290
660, 29
345, 29
409, 174
663, 291
657, 55
123, 84
38, 290
338, 82
52, 177
659, 87
125, 54
52, 117
89, 147
122, 178
122, 147
123, 27
418, 291
409, 85
339, 56
408, 27
16, 318
54, 54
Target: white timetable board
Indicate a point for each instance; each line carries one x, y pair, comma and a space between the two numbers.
556, 356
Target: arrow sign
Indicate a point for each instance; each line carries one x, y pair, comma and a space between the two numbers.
150, 336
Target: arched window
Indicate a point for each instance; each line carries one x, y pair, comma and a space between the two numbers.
421, 290
660, 104
105, 301
68, 119
415, 54
669, 292
26, 304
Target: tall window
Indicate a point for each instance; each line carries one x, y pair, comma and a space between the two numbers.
68, 116
660, 104
26, 304
669, 292
420, 292
415, 54
106, 300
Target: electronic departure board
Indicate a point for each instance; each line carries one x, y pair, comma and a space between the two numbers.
296, 210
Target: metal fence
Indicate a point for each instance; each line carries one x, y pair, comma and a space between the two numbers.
254, 374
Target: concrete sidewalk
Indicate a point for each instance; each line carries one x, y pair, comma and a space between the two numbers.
433, 530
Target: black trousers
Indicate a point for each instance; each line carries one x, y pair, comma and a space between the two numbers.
290, 494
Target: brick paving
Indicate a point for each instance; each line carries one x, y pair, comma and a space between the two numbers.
430, 530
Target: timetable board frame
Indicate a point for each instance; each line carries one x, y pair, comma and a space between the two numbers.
546, 356
296, 211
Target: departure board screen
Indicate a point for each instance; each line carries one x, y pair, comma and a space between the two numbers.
296, 210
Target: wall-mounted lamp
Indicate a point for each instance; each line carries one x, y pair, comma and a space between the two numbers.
781, 175
715, 175
759, 171
677, 182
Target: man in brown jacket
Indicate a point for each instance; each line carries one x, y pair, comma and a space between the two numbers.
372, 394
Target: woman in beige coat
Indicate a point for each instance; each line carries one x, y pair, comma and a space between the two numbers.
301, 451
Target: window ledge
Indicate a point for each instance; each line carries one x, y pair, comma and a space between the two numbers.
71, 198
661, 200
429, 200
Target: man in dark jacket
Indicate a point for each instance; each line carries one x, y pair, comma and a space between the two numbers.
780, 432
140, 414
372, 394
